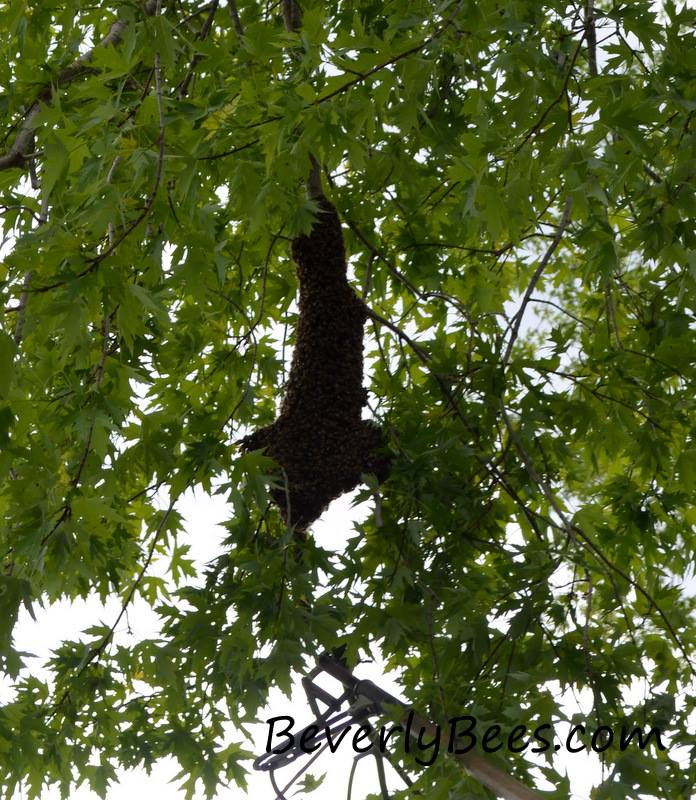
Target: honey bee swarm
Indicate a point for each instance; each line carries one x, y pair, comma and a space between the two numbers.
319, 438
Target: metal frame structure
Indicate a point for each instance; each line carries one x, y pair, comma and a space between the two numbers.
365, 699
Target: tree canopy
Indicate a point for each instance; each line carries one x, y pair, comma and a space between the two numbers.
516, 183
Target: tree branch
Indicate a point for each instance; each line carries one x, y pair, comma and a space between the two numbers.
575, 533
201, 35
97, 650
235, 18
95, 261
393, 60
417, 349
517, 320
564, 89
591, 37
18, 153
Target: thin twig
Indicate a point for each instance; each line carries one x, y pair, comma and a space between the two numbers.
517, 319
202, 34
562, 310
96, 651
576, 533
393, 60
26, 283
363, 76
611, 314
66, 510
577, 381
229, 152
235, 18
564, 89
381, 257
417, 349
201, 10
95, 261
109, 179
22, 307
586, 647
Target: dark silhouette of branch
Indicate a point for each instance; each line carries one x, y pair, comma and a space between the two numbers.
230, 152
517, 319
393, 60
591, 37
364, 75
564, 90
235, 18
201, 35
565, 311
417, 349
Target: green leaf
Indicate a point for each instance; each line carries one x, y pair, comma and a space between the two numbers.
56, 163
7, 355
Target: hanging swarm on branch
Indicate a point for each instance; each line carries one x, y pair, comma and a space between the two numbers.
320, 439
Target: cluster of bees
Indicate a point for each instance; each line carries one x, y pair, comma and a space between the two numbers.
319, 439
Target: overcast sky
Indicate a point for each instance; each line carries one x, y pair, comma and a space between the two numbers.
204, 533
